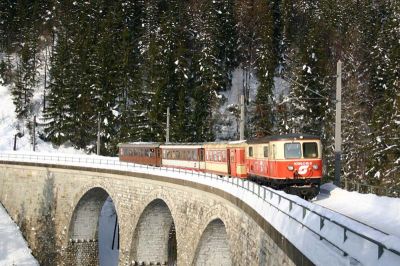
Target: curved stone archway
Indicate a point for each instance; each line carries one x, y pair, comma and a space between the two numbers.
154, 239
84, 228
213, 248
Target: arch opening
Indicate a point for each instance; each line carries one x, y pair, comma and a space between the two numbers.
213, 248
154, 239
108, 235
86, 225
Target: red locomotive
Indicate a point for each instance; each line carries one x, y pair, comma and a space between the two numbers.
290, 162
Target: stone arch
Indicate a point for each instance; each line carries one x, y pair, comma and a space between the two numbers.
213, 248
154, 238
82, 248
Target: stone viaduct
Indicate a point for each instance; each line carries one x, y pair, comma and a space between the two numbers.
162, 221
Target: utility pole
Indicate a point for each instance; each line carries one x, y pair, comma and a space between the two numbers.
98, 134
242, 117
45, 81
167, 134
338, 124
34, 133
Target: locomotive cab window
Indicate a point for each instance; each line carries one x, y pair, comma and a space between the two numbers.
250, 151
310, 150
292, 150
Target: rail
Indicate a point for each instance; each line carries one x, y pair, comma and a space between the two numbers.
281, 202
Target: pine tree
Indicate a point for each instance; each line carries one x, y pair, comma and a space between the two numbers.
58, 112
385, 90
267, 54
132, 103
212, 59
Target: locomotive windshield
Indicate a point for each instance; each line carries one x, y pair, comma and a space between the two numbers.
310, 150
292, 150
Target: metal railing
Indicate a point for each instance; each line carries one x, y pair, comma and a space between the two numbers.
273, 199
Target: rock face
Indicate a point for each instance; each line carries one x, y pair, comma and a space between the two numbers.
161, 221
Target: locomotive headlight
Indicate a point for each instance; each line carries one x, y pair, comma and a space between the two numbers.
290, 167
315, 166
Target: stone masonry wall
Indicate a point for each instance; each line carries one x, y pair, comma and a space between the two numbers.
81, 254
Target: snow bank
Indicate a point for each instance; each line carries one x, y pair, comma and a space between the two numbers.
382, 213
13, 248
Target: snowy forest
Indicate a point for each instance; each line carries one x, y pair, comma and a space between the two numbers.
124, 62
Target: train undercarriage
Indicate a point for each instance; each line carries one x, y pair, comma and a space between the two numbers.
306, 188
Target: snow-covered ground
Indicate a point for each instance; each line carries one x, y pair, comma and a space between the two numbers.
382, 213
228, 127
13, 248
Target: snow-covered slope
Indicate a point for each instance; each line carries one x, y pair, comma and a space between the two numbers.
13, 248
8, 124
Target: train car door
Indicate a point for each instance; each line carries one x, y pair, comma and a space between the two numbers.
273, 164
232, 164
228, 161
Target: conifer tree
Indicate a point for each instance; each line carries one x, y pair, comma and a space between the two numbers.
267, 54
132, 103
385, 90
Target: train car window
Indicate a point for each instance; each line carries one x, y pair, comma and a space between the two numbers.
250, 151
201, 155
292, 150
265, 151
310, 150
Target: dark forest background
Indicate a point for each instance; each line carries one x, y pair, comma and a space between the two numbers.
127, 61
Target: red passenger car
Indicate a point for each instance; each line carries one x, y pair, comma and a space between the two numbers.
147, 153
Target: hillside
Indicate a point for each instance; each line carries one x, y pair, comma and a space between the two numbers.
73, 63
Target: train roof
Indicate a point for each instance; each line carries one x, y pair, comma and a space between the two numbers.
182, 145
294, 136
140, 144
229, 142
